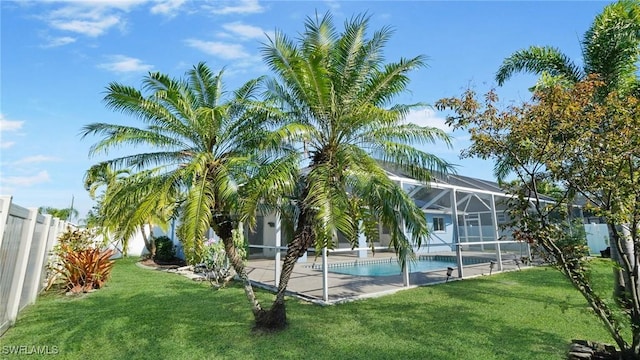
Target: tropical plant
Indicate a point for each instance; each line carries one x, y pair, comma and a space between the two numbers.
336, 94
121, 217
198, 142
102, 175
81, 262
215, 262
609, 49
62, 214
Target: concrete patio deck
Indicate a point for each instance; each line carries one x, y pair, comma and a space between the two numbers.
306, 281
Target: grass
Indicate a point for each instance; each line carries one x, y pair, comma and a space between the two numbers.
145, 314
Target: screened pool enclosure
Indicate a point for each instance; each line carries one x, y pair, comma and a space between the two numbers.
465, 216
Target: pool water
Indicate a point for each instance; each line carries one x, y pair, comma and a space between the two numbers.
392, 268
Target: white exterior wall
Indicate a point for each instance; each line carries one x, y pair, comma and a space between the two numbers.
136, 242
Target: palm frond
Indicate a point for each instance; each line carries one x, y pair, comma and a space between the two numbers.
610, 46
537, 60
391, 81
114, 136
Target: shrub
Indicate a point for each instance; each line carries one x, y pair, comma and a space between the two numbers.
165, 251
215, 260
82, 265
76, 239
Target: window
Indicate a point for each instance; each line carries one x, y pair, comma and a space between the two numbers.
438, 224
501, 217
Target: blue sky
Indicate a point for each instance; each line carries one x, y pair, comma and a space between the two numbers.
57, 57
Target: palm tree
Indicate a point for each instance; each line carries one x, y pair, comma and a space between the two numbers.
336, 93
62, 214
102, 175
120, 215
609, 50
198, 142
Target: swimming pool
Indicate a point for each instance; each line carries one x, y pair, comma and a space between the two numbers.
390, 268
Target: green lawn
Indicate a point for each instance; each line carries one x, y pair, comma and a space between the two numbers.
145, 314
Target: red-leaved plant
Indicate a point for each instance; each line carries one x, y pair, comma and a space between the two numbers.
80, 262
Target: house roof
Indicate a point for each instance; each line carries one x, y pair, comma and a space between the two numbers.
465, 183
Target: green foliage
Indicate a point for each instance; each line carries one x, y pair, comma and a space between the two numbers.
165, 250
81, 263
62, 214
193, 248
590, 145
214, 254
609, 49
338, 92
197, 142
74, 239
573, 239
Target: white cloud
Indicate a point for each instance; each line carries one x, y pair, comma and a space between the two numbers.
90, 17
6, 144
219, 49
427, 117
236, 7
9, 125
73, 7
334, 5
59, 41
125, 64
91, 27
38, 178
167, 7
35, 159
245, 31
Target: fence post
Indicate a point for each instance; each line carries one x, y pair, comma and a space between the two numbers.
5, 204
53, 234
40, 260
21, 265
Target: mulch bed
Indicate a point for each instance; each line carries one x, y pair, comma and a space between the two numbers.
163, 265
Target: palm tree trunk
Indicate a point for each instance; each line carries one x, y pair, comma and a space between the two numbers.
149, 241
225, 232
275, 318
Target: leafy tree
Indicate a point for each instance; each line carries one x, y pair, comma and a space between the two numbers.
610, 52
336, 93
198, 142
590, 144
